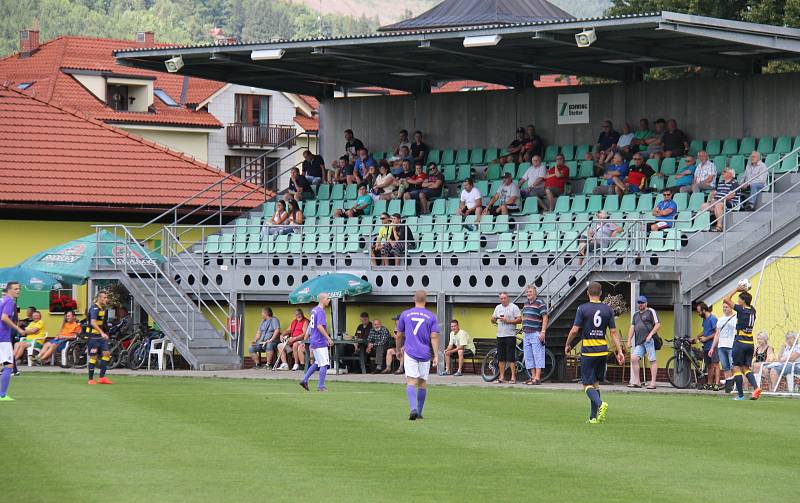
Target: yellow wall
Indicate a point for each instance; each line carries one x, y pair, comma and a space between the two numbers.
191, 143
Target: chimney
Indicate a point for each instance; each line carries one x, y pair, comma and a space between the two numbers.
146, 38
28, 42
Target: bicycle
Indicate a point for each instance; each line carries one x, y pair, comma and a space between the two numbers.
490, 371
139, 351
684, 367
119, 347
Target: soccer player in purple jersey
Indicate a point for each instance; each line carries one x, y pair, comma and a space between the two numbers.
320, 341
8, 308
418, 335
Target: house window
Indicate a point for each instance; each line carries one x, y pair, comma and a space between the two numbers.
117, 97
253, 171
166, 98
473, 88
252, 109
24, 85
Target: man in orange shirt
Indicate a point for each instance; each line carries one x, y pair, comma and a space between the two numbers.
70, 329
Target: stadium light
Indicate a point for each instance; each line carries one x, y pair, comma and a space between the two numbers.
586, 38
482, 41
174, 64
266, 54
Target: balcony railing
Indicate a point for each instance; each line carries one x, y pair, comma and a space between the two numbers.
240, 135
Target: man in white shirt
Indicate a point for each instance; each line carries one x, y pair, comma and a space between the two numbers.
755, 178
507, 196
506, 316
471, 202
533, 178
705, 176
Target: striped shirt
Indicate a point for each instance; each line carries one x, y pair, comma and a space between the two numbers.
703, 171
724, 188
532, 315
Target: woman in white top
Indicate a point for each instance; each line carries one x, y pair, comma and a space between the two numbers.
384, 184
723, 343
278, 223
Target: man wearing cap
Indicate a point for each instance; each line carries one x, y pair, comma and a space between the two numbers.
644, 326
514, 148
507, 196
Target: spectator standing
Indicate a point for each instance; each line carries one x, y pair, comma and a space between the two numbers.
710, 358
352, 146
460, 345
534, 327
378, 342
267, 338
685, 177
723, 344
665, 212
725, 197
299, 186
644, 326
470, 201
606, 143
507, 197
313, 168
419, 150
404, 142
555, 182
292, 342
533, 145
755, 179
613, 174
430, 189
638, 177
362, 206
506, 316
598, 236
705, 176
534, 179
676, 143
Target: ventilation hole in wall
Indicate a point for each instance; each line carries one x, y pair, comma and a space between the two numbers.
247, 279
204, 280
289, 262
290, 280
534, 260
456, 281
206, 262
303, 278
248, 261
276, 280
190, 279
653, 260
318, 261
395, 280
379, 280
220, 261
572, 280
473, 281
425, 280
177, 279
348, 261
304, 262
218, 279
501, 261
518, 261
423, 261
261, 280
538, 282
550, 259
454, 261
504, 281
437, 261
276, 261
521, 281
489, 281
619, 261
364, 277
409, 280
486, 260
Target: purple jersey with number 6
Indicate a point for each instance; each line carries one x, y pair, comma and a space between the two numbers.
417, 324
318, 318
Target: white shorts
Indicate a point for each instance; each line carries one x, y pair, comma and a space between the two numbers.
6, 353
416, 369
321, 357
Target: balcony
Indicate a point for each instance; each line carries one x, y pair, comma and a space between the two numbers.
240, 135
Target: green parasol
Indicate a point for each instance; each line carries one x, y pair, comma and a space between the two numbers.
29, 279
336, 285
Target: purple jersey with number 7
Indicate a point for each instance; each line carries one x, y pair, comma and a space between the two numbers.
417, 324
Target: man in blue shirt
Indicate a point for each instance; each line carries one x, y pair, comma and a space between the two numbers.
613, 174
685, 177
363, 163
707, 339
665, 212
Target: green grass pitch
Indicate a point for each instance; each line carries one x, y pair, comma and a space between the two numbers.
184, 439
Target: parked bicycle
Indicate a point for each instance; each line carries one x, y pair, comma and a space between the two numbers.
490, 370
684, 367
139, 351
119, 346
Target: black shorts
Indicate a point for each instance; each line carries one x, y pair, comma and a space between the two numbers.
742, 355
708, 360
593, 369
507, 349
96, 344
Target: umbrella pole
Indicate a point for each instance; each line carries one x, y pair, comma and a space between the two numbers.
335, 324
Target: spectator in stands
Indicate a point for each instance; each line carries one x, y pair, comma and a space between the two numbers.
706, 338
534, 179
506, 316
665, 212
292, 342
642, 135
372, 175
333, 173
534, 327
70, 328
514, 149
471, 201
299, 187
352, 146
533, 145
639, 174
384, 183
363, 328
755, 179
507, 197
430, 189
725, 197
267, 338
404, 142
381, 238
34, 335
378, 342
676, 143
613, 174
705, 175
555, 182
644, 326
399, 236
419, 150
655, 143
625, 144
412, 182
362, 206
788, 359
598, 235
459, 346
606, 143
763, 354
313, 167
405, 156
400, 185
346, 172
685, 177
296, 218
279, 221
363, 162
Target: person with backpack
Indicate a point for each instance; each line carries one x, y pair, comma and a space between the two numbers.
642, 338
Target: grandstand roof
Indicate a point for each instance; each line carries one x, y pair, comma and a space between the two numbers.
54, 156
410, 61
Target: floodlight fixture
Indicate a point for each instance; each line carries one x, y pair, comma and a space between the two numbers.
586, 38
482, 41
266, 54
174, 64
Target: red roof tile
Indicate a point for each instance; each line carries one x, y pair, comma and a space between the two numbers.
307, 123
51, 154
45, 68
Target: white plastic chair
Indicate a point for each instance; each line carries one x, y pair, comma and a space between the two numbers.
32, 350
161, 348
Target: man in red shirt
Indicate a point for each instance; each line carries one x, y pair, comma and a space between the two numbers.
554, 182
638, 174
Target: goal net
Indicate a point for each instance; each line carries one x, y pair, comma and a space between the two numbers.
777, 303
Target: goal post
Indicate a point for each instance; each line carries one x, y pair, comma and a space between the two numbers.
777, 303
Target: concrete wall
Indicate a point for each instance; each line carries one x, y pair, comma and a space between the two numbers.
705, 108
193, 143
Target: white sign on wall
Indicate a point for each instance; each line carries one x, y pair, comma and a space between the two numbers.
573, 108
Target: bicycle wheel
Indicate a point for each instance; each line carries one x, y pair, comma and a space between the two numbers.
679, 371
489, 369
137, 355
549, 365
115, 354
522, 372
76, 356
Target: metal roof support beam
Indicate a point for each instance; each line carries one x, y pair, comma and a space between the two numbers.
763, 40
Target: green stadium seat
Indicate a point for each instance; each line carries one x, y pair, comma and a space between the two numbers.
337, 226
309, 245
379, 155
493, 173
684, 220
253, 243
254, 225
681, 164
653, 163
508, 167
476, 156
347, 244
671, 181
572, 166
550, 153
568, 151
549, 222
425, 224
310, 208
521, 169
433, 156
713, 147
276, 244
350, 191
581, 151
534, 223
657, 183
294, 244
324, 192
494, 187
310, 225
578, 204
351, 226
564, 223
338, 192
788, 164
569, 242
448, 157
456, 224
783, 145
668, 166
655, 241
672, 240
534, 242
695, 146
681, 200
490, 155
562, 204
226, 243
325, 243
645, 204
585, 169
428, 242
212, 244
394, 206
269, 209
611, 204
721, 162
730, 146
240, 227
501, 224
505, 244
589, 185
701, 222
747, 145
594, 204
381, 206
449, 172
335, 205
766, 145
738, 163
772, 159
581, 223
463, 172
462, 156
483, 186
439, 207
696, 200
628, 203
530, 206
796, 143
409, 208
486, 225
